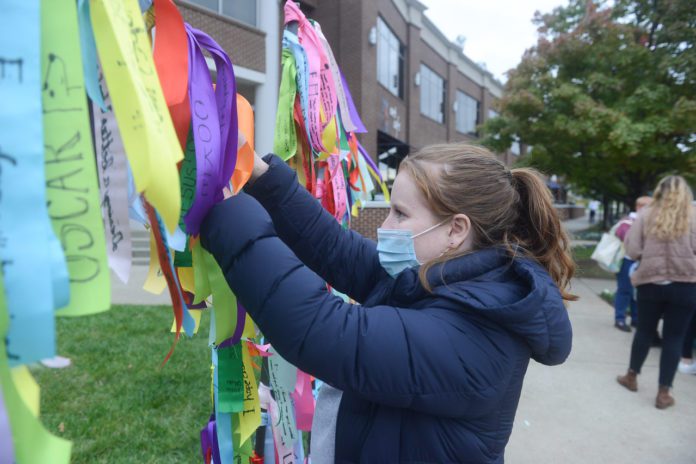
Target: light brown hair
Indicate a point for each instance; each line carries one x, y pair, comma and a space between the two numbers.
509, 208
671, 209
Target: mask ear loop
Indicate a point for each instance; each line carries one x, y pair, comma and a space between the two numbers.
430, 229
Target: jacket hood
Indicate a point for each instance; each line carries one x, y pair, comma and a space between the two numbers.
517, 294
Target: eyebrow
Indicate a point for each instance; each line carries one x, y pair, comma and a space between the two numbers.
399, 206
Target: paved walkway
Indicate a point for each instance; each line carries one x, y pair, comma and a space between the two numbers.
574, 226
577, 413
133, 293
577, 224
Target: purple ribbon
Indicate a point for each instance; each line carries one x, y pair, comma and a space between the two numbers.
239, 328
6, 446
226, 96
354, 116
214, 123
209, 440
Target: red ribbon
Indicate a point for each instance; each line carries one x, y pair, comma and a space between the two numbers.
175, 291
171, 61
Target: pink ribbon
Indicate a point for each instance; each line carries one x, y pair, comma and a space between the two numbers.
304, 401
349, 124
338, 183
322, 89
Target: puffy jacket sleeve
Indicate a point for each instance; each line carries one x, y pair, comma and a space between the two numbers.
314, 235
398, 357
634, 239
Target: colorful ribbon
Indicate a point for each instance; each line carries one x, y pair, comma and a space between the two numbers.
214, 120
171, 60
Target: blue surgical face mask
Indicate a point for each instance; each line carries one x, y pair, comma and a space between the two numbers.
396, 248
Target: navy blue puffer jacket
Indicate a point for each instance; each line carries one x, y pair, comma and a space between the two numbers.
427, 377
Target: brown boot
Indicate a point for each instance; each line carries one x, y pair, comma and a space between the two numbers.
629, 381
664, 400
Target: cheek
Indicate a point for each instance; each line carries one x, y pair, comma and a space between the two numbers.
430, 246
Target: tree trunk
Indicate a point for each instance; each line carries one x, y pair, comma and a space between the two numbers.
606, 213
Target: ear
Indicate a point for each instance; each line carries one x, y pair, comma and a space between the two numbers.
460, 231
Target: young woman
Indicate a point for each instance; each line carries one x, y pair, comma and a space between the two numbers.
465, 284
663, 239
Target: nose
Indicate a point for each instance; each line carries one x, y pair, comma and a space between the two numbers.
388, 221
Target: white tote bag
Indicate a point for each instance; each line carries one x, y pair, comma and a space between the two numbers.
610, 252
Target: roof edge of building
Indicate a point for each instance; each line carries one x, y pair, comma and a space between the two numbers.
413, 13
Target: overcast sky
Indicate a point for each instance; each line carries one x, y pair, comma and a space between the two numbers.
497, 31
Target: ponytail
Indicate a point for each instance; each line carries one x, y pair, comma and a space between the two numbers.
538, 230
509, 209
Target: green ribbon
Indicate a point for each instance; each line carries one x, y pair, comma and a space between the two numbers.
187, 183
224, 301
285, 141
230, 380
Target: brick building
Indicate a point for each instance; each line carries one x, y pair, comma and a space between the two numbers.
411, 85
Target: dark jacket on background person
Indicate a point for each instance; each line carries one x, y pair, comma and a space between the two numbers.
427, 377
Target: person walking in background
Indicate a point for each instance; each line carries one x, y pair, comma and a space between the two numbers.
663, 238
593, 206
624, 297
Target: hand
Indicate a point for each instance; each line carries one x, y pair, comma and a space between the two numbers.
260, 167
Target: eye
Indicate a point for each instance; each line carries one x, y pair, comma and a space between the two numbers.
399, 214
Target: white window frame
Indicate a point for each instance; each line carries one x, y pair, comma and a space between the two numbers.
219, 11
390, 59
432, 94
467, 120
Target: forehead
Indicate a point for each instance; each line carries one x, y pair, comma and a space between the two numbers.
406, 193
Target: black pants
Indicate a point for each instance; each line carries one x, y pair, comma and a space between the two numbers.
688, 345
675, 303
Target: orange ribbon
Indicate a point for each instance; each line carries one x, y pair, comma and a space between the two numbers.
245, 153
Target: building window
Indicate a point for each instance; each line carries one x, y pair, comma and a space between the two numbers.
432, 94
390, 59
241, 10
468, 110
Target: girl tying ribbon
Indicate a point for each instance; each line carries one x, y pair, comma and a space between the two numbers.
465, 285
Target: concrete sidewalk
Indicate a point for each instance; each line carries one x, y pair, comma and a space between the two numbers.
577, 413
133, 293
577, 224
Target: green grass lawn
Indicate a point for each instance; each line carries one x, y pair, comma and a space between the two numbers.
593, 232
586, 267
115, 403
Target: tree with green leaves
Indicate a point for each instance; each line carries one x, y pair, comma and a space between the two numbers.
607, 97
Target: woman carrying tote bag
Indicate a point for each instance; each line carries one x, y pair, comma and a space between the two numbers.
663, 238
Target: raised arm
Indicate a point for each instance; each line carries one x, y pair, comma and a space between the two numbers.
343, 258
398, 357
